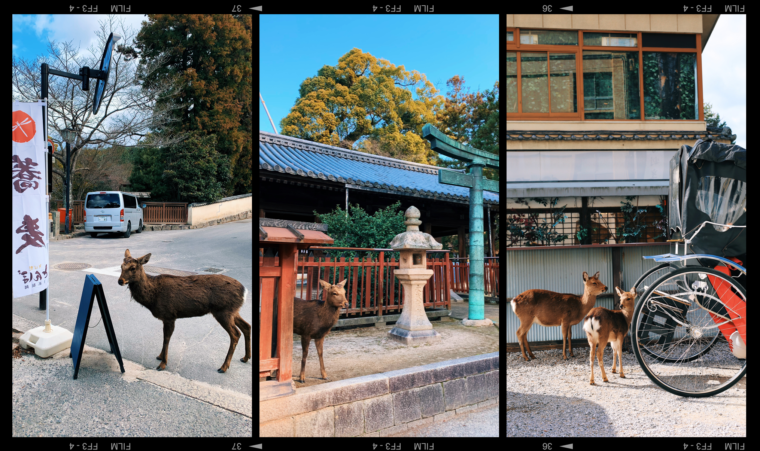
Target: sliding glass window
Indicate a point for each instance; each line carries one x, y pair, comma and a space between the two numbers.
611, 85
623, 74
563, 83
539, 79
670, 81
511, 82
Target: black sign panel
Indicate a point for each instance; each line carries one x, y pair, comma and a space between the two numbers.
92, 289
105, 66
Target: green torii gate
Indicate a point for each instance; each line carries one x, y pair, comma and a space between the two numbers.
476, 159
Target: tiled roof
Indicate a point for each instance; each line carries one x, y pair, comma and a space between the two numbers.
715, 133
285, 154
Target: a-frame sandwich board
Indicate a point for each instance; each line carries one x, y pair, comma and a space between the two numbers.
92, 289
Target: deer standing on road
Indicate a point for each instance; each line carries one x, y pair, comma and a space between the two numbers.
171, 297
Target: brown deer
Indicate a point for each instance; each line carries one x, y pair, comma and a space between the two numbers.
548, 308
603, 325
171, 297
315, 319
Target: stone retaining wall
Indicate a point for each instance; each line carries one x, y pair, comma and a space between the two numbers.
236, 217
387, 403
200, 213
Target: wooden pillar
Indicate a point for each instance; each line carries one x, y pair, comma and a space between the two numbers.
427, 228
490, 234
585, 220
288, 262
262, 214
462, 238
617, 281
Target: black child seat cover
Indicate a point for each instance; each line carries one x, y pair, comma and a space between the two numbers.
708, 182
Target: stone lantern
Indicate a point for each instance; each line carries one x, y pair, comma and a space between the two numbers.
413, 327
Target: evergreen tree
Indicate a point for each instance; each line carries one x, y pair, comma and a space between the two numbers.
211, 55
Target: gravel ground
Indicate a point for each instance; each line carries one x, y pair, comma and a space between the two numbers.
548, 396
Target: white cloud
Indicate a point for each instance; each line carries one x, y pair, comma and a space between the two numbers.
78, 29
724, 71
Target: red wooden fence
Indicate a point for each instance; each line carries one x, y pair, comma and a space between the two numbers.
460, 268
165, 212
372, 287
153, 213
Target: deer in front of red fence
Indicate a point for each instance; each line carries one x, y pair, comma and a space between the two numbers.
315, 319
548, 308
171, 297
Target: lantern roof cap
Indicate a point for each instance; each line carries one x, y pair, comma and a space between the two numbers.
413, 238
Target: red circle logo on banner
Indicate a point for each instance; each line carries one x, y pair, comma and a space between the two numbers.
24, 127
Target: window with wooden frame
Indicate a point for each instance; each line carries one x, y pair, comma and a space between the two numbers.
597, 75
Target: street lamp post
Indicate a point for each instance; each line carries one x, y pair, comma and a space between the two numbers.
85, 73
68, 136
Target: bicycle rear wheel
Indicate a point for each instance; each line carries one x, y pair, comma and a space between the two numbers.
661, 353
676, 338
651, 275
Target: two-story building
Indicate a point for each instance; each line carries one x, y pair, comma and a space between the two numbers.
596, 107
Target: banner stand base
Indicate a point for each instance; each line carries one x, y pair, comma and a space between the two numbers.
46, 343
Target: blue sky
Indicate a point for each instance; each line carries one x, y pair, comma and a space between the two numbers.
294, 47
32, 31
31, 34
724, 73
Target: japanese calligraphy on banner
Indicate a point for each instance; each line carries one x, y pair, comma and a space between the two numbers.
30, 228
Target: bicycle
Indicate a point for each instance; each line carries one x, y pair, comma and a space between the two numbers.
688, 328
681, 318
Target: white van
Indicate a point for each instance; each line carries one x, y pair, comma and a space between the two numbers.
112, 211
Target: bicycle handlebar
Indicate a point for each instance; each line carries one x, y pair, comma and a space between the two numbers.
688, 240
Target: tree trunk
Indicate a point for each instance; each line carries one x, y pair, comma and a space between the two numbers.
74, 158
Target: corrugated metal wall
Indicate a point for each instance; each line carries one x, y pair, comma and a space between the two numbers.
561, 270
633, 265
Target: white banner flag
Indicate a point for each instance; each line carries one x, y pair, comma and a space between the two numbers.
30, 217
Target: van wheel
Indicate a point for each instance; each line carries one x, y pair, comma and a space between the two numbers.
129, 230
93, 234
139, 229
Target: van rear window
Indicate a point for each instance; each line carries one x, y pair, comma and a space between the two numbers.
110, 200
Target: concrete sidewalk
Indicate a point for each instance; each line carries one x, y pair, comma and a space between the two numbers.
480, 423
104, 402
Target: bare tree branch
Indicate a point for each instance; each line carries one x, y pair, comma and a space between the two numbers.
128, 114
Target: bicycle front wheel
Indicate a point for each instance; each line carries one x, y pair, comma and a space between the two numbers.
676, 337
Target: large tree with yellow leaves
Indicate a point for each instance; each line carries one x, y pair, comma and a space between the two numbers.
367, 104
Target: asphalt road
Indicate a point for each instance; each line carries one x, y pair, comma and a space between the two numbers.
199, 345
